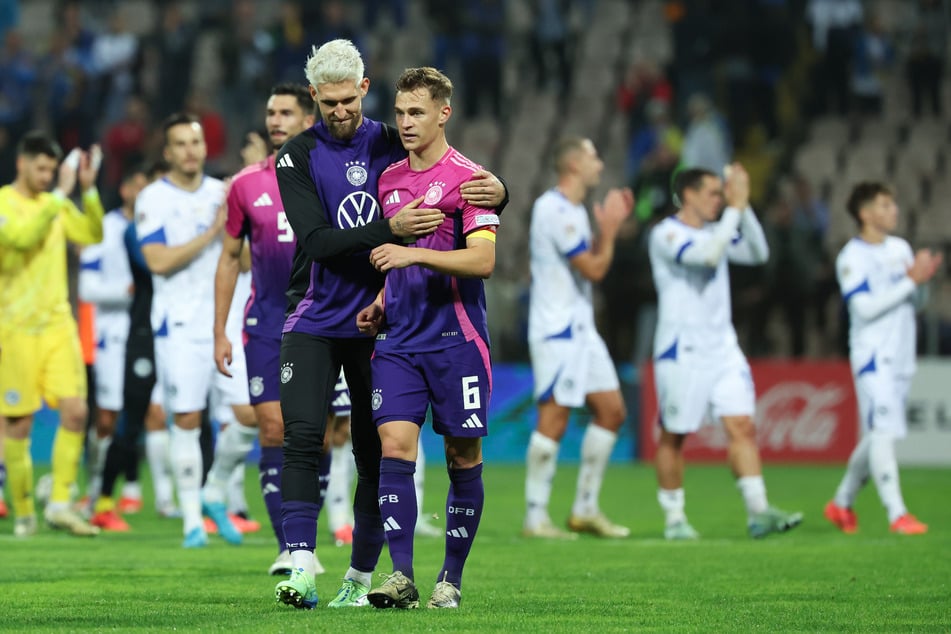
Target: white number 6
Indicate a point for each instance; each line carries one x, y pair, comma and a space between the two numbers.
470, 393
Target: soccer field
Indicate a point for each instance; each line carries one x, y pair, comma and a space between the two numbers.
813, 579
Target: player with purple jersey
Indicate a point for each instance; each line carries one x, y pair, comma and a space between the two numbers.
256, 214
432, 348
328, 181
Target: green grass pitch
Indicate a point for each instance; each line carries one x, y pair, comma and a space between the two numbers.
811, 580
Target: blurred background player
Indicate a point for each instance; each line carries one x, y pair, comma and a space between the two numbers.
256, 215
179, 220
139, 412
105, 281
41, 358
432, 350
570, 362
881, 281
699, 366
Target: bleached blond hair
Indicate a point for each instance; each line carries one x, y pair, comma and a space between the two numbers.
334, 62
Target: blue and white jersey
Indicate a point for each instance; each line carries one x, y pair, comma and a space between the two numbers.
165, 214
881, 301
105, 278
691, 275
560, 300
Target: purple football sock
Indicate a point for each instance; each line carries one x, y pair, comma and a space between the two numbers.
463, 513
270, 465
398, 510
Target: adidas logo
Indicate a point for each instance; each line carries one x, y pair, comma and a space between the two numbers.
390, 524
285, 161
263, 201
270, 487
473, 422
460, 532
393, 199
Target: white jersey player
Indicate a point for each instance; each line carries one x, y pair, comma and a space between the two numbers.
570, 362
179, 221
699, 368
879, 277
105, 280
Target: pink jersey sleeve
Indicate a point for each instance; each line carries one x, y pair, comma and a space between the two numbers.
235, 225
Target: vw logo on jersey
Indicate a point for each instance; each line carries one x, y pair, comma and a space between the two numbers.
356, 173
356, 210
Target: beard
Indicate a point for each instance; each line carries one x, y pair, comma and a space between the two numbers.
343, 130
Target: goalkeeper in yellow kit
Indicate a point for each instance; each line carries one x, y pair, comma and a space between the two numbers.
40, 357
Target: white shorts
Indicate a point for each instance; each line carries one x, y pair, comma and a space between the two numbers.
692, 389
186, 375
110, 369
568, 369
882, 398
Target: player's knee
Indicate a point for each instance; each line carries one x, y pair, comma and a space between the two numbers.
740, 428
271, 432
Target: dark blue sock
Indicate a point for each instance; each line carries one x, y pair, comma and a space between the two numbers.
270, 465
300, 525
323, 479
398, 510
463, 513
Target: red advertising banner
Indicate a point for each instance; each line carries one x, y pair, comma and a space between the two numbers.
805, 412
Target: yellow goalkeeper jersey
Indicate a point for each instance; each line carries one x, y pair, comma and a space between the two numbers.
34, 291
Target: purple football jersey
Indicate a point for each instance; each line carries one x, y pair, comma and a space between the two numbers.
426, 310
255, 212
345, 176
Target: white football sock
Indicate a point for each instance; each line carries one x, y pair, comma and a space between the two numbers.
366, 578
884, 468
856, 474
541, 461
98, 448
132, 490
237, 501
304, 559
232, 447
186, 467
160, 466
339, 500
672, 503
753, 490
596, 447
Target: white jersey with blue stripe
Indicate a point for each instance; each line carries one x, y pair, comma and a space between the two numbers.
105, 278
880, 297
167, 214
560, 299
691, 275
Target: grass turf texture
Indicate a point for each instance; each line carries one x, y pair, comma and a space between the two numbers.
813, 579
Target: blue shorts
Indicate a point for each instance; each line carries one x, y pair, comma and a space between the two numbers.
456, 382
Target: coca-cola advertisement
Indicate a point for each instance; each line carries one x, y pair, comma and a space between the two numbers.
805, 412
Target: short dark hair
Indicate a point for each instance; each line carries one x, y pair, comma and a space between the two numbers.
563, 149
37, 142
153, 169
862, 194
178, 118
691, 178
299, 91
438, 85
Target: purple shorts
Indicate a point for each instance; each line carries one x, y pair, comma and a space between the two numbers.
456, 382
263, 358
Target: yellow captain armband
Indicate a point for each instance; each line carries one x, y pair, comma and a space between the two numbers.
485, 234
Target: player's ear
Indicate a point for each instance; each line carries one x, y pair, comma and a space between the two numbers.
364, 87
444, 113
313, 92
